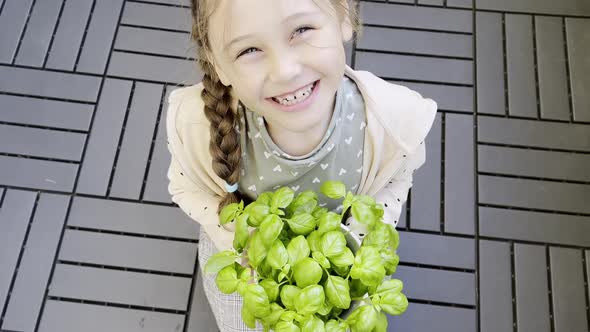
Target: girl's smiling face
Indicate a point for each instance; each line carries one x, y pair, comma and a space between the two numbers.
266, 48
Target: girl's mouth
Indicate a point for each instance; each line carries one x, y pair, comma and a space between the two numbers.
297, 101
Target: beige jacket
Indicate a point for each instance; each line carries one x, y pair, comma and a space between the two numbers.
398, 120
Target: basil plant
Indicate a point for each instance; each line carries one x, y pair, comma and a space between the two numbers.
301, 274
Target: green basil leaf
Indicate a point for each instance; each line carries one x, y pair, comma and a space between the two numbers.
378, 237
257, 212
394, 303
246, 274
381, 324
366, 318
248, 317
338, 291
242, 233
275, 314
270, 228
220, 260
313, 240
282, 275
302, 224
391, 285
318, 212
357, 288
310, 300
390, 261
329, 222
335, 326
283, 326
288, 316
242, 287
368, 266
282, 197
363, 213
313, 324
321, 259
326, 308
378, 211
297, 249
288, 294
265, 198
256, 301
393, 237
257, 250
365, 199
271, 288
229, 213
277, 255
305, 202
332, 243
227, 279
347, 202
307, 272
341, 270
333, 189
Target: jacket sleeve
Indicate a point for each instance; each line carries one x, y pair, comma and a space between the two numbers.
193, 197
395, 193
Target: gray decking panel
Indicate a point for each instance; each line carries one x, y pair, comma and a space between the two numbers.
437, 250
76, 317
104, 138
534, 163
36, 263
567, 279
131, 217
137, 141
531, 288
490, 63
578, 37
425, 195
14, 219
142, 40
437, 285
69, 34
35, 42
459, 194
14, 15
41, 142
120, 287
534, 194
99, 37
47, 113
42, 83
128, 251
520, 62
534, 226
542, 134
39, 174
553, 92
495, 286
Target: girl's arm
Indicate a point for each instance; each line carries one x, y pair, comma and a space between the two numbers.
395, 193
198, 204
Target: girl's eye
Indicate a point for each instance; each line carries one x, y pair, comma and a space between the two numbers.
304, 27
246, 51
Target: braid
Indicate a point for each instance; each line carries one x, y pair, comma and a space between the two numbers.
224, 145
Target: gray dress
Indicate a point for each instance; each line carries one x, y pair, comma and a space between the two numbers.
338, 156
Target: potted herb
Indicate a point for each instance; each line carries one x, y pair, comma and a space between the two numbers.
306, 271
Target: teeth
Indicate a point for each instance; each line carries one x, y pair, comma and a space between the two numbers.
296, 98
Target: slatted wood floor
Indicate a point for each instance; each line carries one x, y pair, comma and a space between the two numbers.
495, 236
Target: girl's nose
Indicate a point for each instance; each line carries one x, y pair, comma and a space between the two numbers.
285, 67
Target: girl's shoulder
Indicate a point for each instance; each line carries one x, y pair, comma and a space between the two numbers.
185, 104
404, 114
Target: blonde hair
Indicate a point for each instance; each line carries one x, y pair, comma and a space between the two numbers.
224, 145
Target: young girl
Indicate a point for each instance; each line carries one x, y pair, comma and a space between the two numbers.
278, 106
